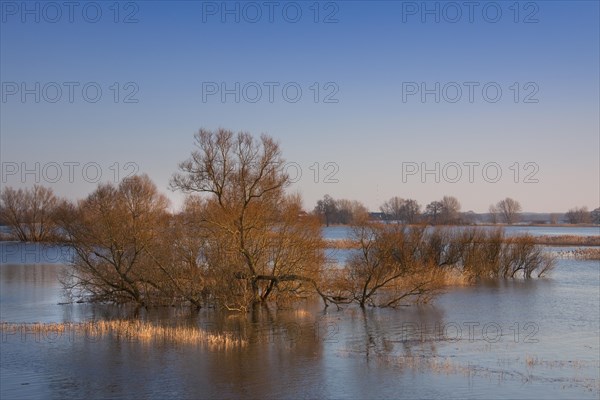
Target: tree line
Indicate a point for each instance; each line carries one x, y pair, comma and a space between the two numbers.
446, 211
241, 240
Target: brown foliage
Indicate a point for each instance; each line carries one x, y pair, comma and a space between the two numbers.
114, 233
30, 213
398, 263
388, 268
257, 244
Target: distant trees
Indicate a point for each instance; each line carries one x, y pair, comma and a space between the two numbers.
340, 211
401, 210
595, 215
392, 209
578, 215
493, 213
433, 212
327, 208
443, 212
450, 210
349, 211
508, 210
29, 213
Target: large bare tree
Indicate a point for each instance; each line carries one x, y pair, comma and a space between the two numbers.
392, 209
509, 210
401, 210
450, 210
445, 211
259, 246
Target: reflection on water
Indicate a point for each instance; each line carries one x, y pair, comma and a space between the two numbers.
506, 339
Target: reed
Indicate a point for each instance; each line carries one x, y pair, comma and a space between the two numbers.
138, 331
580, 254
342, 244
456, 278
567, 240
561, 240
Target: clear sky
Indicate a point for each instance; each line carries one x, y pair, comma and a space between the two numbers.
368, 100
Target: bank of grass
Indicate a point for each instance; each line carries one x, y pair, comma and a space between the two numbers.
545, 240
580, 254
567, 240
132, 331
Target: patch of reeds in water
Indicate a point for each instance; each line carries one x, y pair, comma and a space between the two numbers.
454, 278
547, 240
567, 240
580, 254
133, 331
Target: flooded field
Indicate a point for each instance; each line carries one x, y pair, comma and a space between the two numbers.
508, 339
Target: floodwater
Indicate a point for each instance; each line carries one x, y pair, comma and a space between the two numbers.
509, 339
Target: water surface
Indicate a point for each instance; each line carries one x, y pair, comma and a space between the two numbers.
508, 339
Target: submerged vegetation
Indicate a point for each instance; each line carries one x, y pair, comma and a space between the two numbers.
126, 330
394, 264
241, 240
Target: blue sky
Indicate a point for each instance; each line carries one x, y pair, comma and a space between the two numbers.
360, 120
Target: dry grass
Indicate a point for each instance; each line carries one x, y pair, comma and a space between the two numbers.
139, 331
568, 240
342, 244
456, 277
562, 240
580, 254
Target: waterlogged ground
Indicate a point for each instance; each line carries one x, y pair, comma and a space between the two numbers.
535, 339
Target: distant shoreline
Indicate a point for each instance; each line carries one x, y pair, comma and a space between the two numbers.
544, 240
499, 225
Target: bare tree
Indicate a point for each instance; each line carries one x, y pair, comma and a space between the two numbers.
115, 234
493, 211
386, 270
509, 210
260, 245
401, 210
445, 211
176, 256
433, 211
326, 208
578, 215
349, 211
340, 211
595, 215
392, 209
411, 211
450, 210
29, 213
